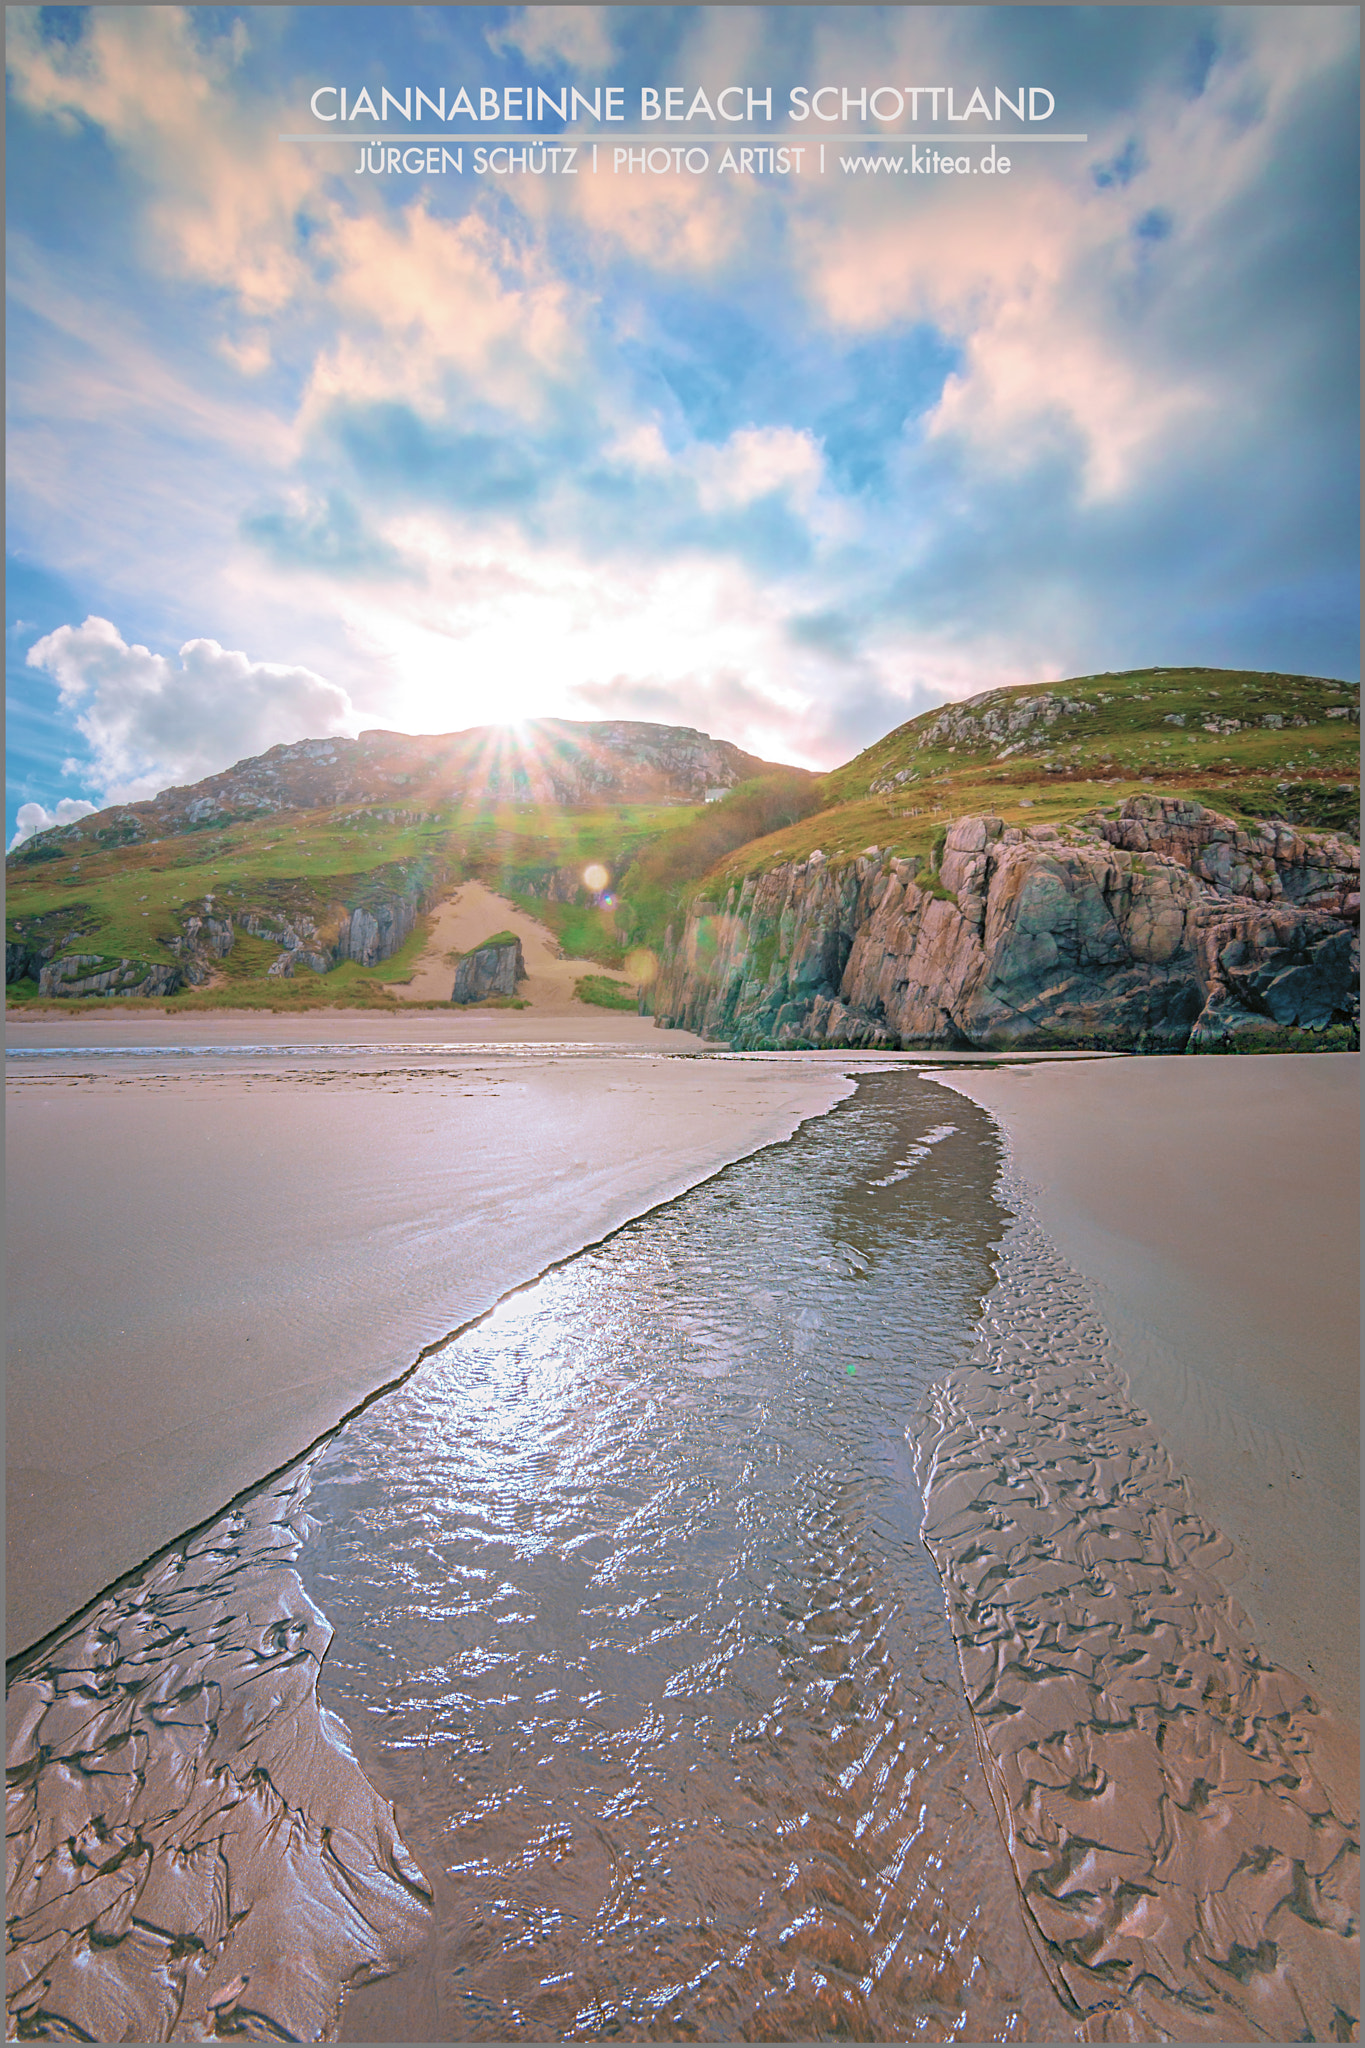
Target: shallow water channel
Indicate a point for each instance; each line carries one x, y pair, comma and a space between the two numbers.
597, 1680
634, 1624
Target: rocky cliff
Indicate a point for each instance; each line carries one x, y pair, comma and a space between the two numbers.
92, 974
377, 914
1164, 928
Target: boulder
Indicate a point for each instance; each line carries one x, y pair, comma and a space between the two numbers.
489, 971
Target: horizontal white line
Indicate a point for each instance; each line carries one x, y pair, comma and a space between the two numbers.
676, 142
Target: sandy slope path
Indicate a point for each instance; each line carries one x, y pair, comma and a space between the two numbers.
212, 1256
475, 914
1214, 1206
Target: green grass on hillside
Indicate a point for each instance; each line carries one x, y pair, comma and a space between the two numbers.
1122, 742
121, 901
652, 886
1192, 732
582, 931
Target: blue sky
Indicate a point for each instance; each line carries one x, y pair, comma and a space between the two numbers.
791, 458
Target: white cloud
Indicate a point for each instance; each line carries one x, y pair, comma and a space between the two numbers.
642, 448
1074, 328
754, 463
576, 36
31, 818
151, 723
160, 85
420, 297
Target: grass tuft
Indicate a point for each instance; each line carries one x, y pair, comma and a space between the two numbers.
604, 994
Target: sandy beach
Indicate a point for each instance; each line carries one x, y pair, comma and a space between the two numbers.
290, 1230
1139, 1483
1213, 1206
207, 1269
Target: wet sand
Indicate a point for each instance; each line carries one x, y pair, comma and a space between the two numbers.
1180, 1808
191, 1844
211, 1260
632, 1623
1173, 1786
1213, 1206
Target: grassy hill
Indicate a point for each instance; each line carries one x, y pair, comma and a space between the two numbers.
135, 901
1249, 744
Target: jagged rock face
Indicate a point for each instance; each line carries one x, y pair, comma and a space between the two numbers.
1316, 870
1168, 928
210, 935
372, 935
22, 961
69, 976
489, 971
1003, 722
60, 973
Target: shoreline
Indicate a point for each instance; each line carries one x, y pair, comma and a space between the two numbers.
208, 1268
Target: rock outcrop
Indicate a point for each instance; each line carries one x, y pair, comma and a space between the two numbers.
24, 962
489, 971
556, 885
90, 974
384, 909
1163, 929
380, 915
373, 933
1008, 723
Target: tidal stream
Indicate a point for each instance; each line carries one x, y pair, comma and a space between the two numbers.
643, 1710
634, 1623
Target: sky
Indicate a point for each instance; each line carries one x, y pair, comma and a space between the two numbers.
297, 448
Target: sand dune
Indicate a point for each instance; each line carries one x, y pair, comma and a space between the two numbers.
476, 913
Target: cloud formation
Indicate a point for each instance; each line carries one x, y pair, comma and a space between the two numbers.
800, 451
150, 723
578, 38
162, 85
420, 300
32, 818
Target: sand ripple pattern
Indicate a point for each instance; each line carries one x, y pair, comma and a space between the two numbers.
1187, 1872
193, 1850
